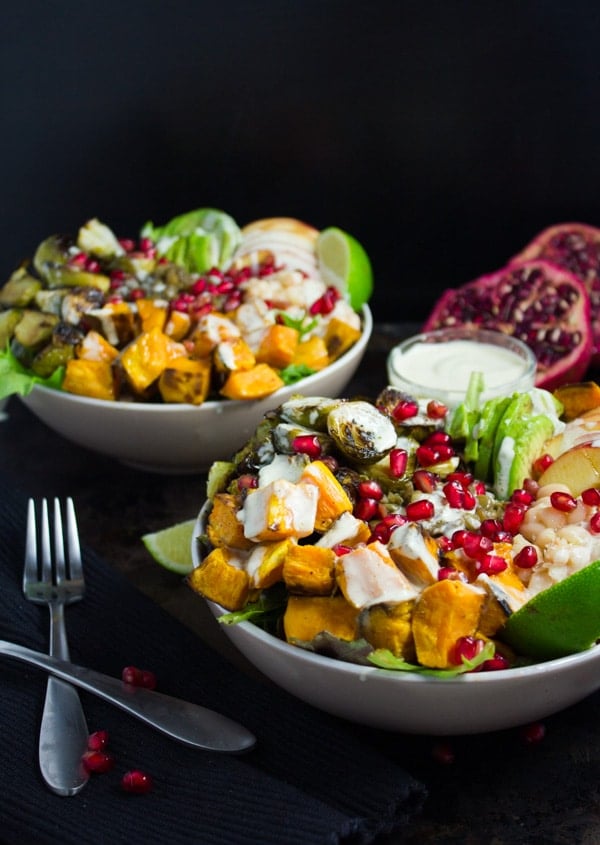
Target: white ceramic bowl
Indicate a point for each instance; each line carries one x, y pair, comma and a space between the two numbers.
179, 438
415, 703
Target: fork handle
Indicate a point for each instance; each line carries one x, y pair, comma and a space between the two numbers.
63, 728
184, 721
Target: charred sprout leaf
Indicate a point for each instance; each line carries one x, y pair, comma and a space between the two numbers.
14, 378
356, 651
295, 372
384, 659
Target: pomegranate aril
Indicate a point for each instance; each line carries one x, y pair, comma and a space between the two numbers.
307, 444
534, 733
247, 482
591, 496
513, 517
424, 480
98, 761
137, 782
98, 740
458, 538
421, 509
131, 675
495, 663
148, 679
340, 549
521, 497
463, 478
490, 528
491, 564
464, 647
449, 573
428, 456
542, 463
477, 546
369, 490
526, 558
595, 523
398, 462
405, 410
438, 438
365, 509
436, 409
562, 501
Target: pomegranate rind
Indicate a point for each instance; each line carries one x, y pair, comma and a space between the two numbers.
581, 257
484, 304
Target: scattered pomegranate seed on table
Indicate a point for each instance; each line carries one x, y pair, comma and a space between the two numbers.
137, 782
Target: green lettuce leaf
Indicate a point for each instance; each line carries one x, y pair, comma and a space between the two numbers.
295, 372
16, 379
384, 659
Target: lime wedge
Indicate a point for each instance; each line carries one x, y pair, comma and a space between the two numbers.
344, 264
558, 621
172, 547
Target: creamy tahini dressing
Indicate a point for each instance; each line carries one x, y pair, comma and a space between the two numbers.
449, 366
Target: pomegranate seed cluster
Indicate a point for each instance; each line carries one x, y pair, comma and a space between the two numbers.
98, 759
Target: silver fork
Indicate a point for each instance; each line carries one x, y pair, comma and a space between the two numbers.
57, 580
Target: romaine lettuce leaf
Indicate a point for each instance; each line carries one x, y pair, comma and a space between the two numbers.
16, 379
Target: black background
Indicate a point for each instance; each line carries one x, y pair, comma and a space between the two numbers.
443, 135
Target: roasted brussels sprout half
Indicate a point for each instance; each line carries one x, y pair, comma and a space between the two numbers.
361, 432
51, 261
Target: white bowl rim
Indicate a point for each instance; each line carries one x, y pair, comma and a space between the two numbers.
303, 386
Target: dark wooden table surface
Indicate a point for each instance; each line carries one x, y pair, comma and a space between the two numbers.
484, 790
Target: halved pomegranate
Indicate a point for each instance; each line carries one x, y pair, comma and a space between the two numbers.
540, 303
574, 247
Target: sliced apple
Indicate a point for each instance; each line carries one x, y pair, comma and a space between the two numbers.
578, 468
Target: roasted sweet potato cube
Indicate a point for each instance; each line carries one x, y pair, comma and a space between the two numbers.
211, 330
223, 527
177, 325
90, 378
333, 499
312, 353
95, 347
280, 510
265, 564
234, 354
219, 578
116, 321
256, 383
144, 359
390, 626
445, 612
153, 313
339, 337
307, 616
310, 570
278, 346
185, 380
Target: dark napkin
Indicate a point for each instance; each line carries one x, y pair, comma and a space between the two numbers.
311, 778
